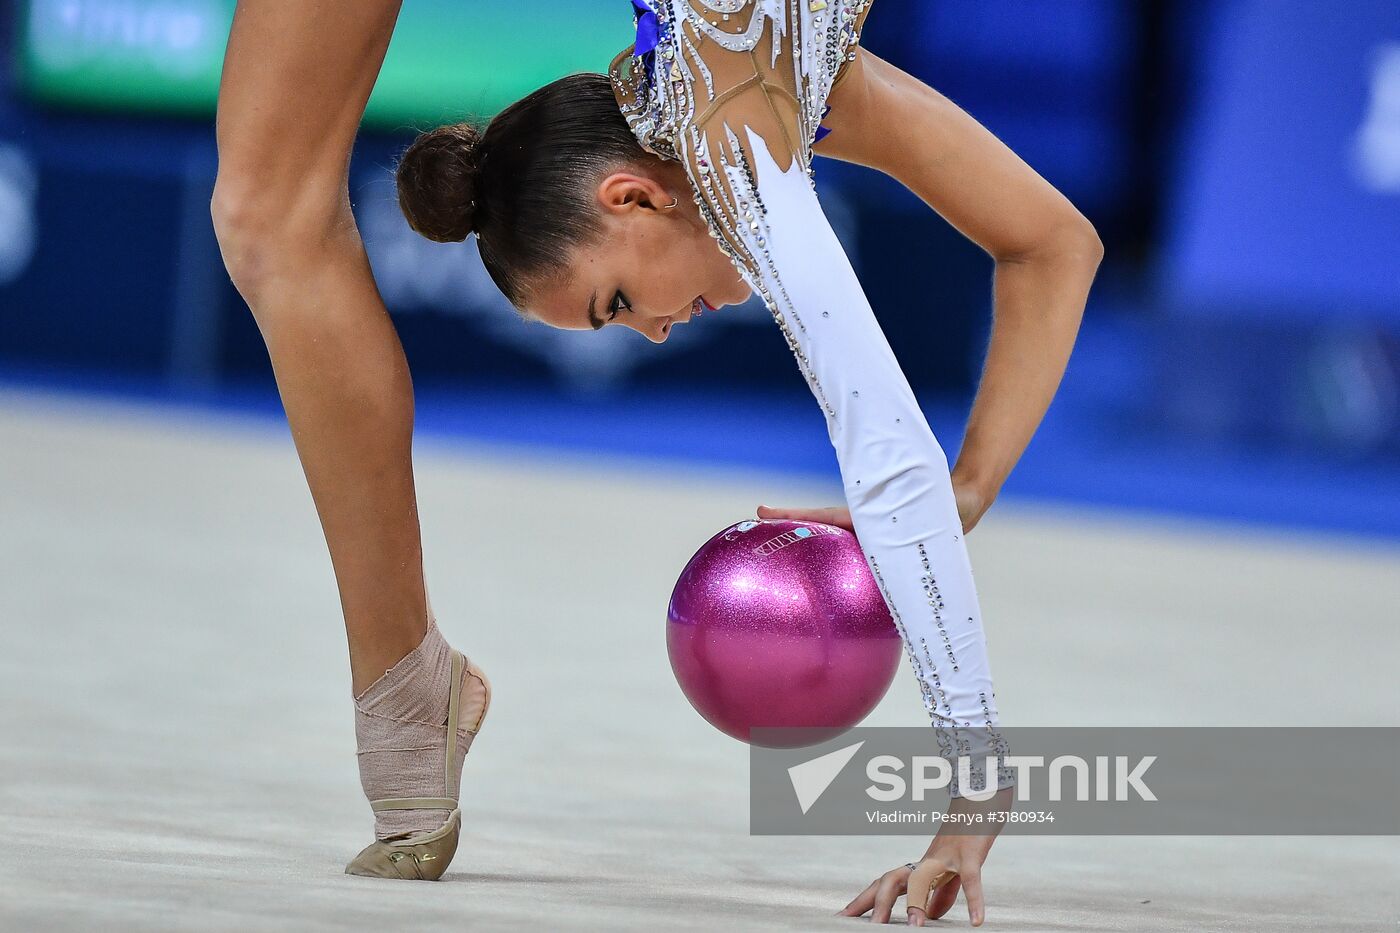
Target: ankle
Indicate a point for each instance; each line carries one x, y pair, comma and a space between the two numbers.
372, 658
402, 723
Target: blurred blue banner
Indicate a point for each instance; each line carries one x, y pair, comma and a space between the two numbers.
1288, 202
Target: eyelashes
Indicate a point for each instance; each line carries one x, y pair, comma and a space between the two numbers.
618, 305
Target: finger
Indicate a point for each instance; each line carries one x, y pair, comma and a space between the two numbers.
890, 888
863, 902
839, 517
927, 876
972, 891
767, 511
944, 897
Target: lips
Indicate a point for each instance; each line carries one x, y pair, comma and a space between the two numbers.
698, 305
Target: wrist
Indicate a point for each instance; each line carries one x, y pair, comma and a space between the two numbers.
981, 483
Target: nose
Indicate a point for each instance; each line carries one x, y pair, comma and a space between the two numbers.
655, 330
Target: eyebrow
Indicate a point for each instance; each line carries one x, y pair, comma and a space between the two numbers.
593, 319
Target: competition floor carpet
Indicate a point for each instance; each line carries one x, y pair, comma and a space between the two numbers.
176, 744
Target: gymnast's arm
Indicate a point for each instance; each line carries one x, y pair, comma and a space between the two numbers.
1046, 251
902, 500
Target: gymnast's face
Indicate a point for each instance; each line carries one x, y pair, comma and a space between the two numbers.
655, 265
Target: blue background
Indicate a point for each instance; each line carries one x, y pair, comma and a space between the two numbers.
1276, 211
1240, 356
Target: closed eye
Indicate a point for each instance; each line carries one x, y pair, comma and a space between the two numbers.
618, 305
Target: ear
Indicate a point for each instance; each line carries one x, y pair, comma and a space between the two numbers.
627, 192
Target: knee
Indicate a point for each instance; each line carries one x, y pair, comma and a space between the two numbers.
264, 235
246, 226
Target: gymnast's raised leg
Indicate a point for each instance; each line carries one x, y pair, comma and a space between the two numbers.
295, 81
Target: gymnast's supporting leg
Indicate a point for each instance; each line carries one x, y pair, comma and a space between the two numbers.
295, 81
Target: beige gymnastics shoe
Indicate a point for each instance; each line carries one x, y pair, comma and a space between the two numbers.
425, 856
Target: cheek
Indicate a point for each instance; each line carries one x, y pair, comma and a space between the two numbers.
681, 247
676, 265
669, 272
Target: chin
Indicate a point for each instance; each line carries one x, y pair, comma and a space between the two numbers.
742, 293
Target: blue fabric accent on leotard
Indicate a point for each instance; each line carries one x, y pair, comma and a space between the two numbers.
648, 35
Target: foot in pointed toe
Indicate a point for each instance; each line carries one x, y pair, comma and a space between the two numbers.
416, 857
411, 756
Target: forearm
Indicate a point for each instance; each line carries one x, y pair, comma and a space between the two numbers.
1047, 252
894, 471
1038, 302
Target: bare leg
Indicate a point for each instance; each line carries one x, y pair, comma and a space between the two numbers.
295, 81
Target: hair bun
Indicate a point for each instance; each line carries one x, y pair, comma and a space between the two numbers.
438, 180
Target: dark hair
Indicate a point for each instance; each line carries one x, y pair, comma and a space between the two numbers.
522, 183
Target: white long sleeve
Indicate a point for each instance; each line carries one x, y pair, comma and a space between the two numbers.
734, 90
894, 471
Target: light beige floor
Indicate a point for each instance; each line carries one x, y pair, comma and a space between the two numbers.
176, 741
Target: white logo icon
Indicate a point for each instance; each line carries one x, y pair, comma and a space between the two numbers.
811, 778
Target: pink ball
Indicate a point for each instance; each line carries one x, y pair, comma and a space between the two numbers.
780, 623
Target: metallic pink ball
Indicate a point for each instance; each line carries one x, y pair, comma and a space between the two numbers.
780, 623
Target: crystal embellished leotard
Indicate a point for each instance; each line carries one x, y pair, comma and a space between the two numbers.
735, 90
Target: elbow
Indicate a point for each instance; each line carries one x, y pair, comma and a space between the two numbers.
1092, 247
1071, 242
1077, 242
